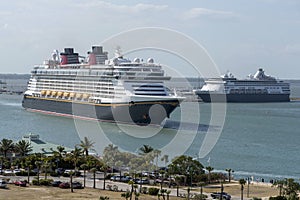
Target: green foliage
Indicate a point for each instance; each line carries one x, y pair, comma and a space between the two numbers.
200, 197
35, 182
146, 149
289, 188
46, 182
25, 173
6, 146
86, 145
66, 175
23, 147
103, 198
153, 191
144, 190
278, 198
186, 166
126, 195
54, 174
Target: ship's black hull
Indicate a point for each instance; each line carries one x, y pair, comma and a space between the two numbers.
141, 113
243, 98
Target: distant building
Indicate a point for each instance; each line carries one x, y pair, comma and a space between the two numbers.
40, 146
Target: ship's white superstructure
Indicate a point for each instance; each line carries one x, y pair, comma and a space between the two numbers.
256, 88
98, 81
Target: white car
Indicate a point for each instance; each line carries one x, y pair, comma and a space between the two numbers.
8, 171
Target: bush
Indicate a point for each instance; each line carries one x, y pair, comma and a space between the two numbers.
54, 174
35, 182
278, 198
25, 173
66, 175
103, 198
198, 196
144, 190
108, 176
46, 182
153, 191
256, 198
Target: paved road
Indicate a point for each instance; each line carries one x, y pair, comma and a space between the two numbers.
120, 185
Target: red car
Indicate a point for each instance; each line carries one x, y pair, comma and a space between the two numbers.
21, 183
64, 185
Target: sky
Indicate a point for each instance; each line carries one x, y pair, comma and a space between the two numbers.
239, 36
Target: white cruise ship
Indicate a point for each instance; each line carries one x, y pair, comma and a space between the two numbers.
115, 90
257, 88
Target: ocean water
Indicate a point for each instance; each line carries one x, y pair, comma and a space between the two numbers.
259, 140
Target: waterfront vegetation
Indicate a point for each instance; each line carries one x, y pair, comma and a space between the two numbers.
182, 172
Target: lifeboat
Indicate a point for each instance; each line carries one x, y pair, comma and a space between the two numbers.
85, 96
66, 94
72, 94
48, 92
53, 93
59, 94
43, 92
78, 95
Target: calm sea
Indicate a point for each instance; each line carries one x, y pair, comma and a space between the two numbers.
259, 140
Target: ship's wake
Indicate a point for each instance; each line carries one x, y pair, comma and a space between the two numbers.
170, 124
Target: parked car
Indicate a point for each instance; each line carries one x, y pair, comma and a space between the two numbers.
126, 179
143, 181
3, 183
16, 170
21, 183
116, 178
64, 185
217, 195
56, 183
77, 185
59, 171
8, 171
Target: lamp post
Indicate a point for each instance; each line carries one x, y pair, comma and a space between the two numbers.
222, 190
248, 183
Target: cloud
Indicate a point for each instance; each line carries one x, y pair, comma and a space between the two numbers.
292, 49
122, 8
5, 13
199, 12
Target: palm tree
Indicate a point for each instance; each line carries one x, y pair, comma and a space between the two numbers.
209, 169
23, 147
94, 176
146, 149
75, 156
165, 158
242, 182
38, 165
229, 174
86, 145
6, 146
84, 167
279, 184
156, 153
29, 166
71, 173
46, 165
110, 155
58, 155
104, 168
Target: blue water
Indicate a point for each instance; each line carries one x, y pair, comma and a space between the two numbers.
260, 140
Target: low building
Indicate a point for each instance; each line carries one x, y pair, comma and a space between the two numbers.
40, 146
